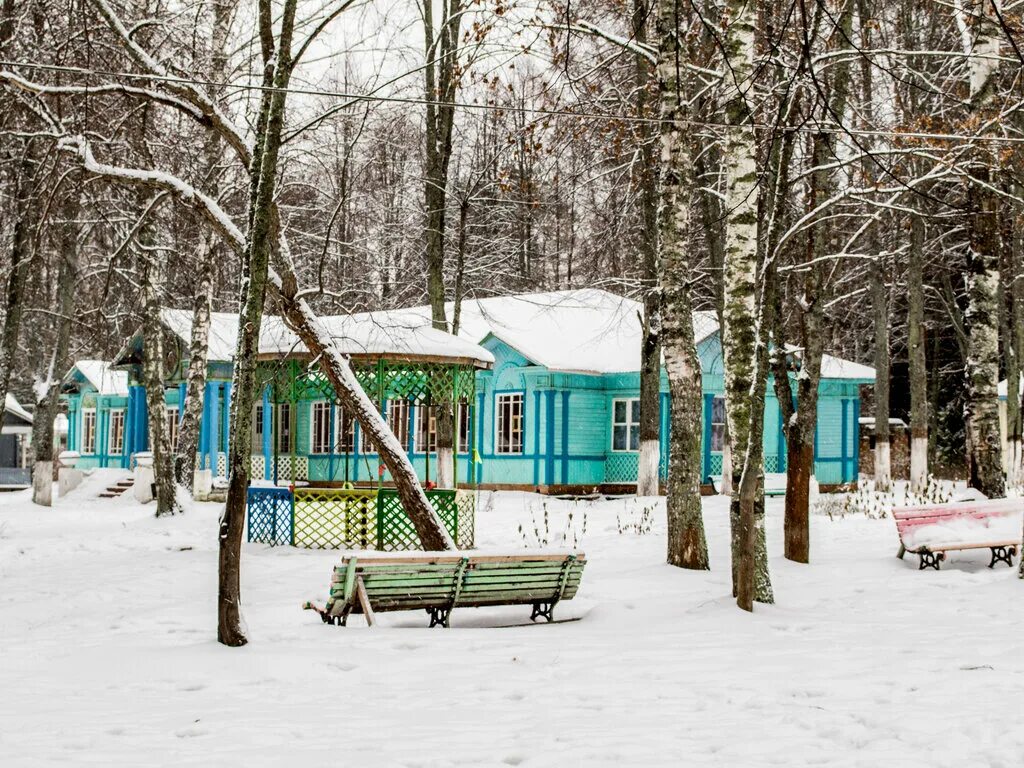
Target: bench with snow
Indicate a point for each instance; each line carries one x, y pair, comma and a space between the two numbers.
439, 582
931, 530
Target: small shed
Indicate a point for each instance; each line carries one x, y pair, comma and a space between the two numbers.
15, 438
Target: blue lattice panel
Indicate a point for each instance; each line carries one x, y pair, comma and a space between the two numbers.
269, 516
621, 468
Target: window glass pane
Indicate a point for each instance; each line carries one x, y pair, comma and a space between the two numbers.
718, 410
634, 406
634, 439
619, 438
620, 411
717, 437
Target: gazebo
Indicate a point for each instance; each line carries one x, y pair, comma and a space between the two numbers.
315, 481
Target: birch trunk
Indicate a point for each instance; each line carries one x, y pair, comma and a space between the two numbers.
917, 367
686, 543
740, 282
649, 460
153, 374
48, 386
982, 316
880, 308
1016, 342
202, 296
441, 82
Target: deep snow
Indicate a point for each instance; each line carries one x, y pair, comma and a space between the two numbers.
108, 656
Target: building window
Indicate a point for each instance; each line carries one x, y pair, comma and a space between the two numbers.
283, 417
426, 430
397, 420
625, 425
257, 428
115, 433
718, 425
463, 409
508, 423
89, 430
345, 427
173, 422
320, 427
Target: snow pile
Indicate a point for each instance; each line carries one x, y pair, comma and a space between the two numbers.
958, 531
109, 654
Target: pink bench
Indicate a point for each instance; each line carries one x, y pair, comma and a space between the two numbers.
931, 530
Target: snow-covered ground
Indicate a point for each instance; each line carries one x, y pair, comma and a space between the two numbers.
108, 656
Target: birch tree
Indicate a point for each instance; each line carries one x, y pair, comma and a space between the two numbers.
687, 547
740, 302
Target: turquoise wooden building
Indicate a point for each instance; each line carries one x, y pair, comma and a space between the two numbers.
551, 400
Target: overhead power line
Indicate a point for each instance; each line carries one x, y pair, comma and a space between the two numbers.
806, 128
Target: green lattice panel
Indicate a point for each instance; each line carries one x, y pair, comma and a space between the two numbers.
621, 468
466, 502
395, 531
771, 463
716, 464
331, 518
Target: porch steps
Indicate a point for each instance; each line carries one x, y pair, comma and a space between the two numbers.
115, 490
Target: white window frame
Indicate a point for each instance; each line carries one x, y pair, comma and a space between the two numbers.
110, 432
85, 432
462, 413
431, 431
257, 427
276, 434
173, 426
400, 434
630, 425
322, 444
711, 430
510, 397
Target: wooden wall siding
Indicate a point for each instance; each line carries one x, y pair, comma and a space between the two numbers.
135, 429
567, 430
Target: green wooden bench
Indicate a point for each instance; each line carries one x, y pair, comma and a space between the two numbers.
369, 583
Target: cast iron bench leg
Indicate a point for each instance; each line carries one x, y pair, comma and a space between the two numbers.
1002, 555
930, 560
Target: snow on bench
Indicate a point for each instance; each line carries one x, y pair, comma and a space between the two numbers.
931, 530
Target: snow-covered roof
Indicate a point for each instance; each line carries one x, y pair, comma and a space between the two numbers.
11, 405
581, 331
105, 379
837, 368
587, 330
395, 333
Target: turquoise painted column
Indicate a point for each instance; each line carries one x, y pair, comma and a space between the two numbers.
844, 434
268, 457
101, 432
549, 443
225, 437
330, 453
479, 438
781, 442
182, 394
665, 427
565, 436
709, 399
856, 439
213, 441
536, 437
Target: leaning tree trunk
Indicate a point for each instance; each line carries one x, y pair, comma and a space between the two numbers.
649, 459
740, 286
917, 367
252, 293
687, 547
48, 388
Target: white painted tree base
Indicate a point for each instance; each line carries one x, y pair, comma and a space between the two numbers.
918, 463
883, 467
42, 483
647, 468
445, 468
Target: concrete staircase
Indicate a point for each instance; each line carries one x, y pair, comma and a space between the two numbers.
115, 490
